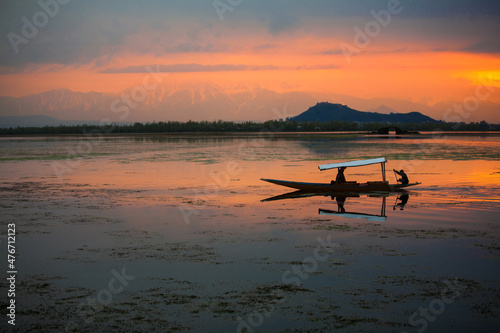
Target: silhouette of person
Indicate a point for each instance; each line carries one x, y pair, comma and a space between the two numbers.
404, 199
340, 203
340, 176
404, 178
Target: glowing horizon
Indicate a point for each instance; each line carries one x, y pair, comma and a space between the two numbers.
378, 50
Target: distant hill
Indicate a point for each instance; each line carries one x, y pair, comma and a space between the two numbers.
325, 112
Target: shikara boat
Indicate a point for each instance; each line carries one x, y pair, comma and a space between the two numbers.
347, 187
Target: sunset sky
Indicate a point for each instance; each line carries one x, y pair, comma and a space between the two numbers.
427, 52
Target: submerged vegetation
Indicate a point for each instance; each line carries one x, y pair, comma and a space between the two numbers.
229, 126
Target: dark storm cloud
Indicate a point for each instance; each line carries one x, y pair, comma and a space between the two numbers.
85, 31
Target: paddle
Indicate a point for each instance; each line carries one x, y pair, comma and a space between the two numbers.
397, 181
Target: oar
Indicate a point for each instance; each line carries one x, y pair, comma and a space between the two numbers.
397, 182
396, 202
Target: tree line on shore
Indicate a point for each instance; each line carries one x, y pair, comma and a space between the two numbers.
248, 126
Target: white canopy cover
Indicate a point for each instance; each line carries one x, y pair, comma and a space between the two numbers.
352, 163
371, 218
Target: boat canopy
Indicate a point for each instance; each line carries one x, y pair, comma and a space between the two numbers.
352, 163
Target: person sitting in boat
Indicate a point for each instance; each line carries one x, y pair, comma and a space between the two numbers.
340, 176
404, 178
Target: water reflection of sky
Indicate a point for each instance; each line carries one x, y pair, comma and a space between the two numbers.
124, 204
467, 165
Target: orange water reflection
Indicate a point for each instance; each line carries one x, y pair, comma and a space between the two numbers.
226, 171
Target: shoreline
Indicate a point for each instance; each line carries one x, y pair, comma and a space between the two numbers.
263, 134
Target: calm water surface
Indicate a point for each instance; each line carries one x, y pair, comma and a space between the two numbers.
185, 220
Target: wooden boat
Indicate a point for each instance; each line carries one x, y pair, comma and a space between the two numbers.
346, 187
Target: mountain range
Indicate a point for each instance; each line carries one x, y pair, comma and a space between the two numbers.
167, 102
192, 101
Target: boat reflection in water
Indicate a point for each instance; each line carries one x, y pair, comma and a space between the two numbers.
403, 199
341, 199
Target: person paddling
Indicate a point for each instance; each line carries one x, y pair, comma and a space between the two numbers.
404, 178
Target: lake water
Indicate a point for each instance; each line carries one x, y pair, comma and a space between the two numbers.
174, 233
